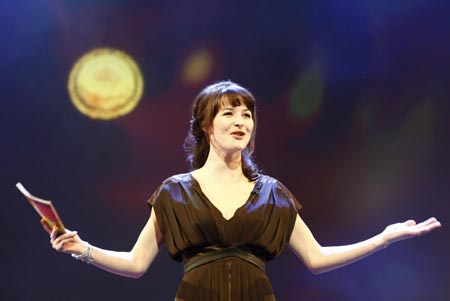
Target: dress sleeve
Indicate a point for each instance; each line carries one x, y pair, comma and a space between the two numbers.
289, 208
151, 201
155, 202
165, 203
290, 197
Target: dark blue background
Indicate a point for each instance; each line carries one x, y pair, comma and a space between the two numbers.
353, 102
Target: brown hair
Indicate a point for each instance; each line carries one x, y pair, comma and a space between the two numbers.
205, 107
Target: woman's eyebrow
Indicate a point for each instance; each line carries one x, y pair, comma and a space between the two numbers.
232, 108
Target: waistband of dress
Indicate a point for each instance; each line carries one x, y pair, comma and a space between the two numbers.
211, 256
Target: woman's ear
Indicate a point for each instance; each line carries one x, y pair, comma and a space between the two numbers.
206, 131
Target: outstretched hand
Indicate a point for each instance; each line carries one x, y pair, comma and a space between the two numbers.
409, 229
69, 242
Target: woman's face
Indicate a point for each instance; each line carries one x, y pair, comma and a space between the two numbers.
232, 128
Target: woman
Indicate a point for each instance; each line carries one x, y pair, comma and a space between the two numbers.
224, 219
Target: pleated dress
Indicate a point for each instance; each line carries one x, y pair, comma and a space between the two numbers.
193, 226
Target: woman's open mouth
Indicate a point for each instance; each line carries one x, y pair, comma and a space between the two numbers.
238, 134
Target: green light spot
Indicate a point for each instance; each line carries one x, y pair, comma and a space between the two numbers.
307, 94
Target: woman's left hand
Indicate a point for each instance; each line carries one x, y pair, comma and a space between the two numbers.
409, 229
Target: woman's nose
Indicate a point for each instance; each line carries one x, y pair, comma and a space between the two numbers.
238, 121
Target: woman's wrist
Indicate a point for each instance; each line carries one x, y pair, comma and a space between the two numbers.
85, 255
383, 241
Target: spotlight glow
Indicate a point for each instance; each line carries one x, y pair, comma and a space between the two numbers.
307, 93
198, 66
105, 83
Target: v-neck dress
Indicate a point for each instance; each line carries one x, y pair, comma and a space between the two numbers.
192, 225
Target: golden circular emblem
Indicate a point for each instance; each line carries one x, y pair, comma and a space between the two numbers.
105, 83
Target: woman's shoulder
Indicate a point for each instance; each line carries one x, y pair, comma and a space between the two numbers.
281, 193
171, 188
178, 178
189, 178
274, 184
266, 179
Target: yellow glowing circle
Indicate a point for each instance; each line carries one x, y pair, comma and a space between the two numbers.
198, 66
105, 83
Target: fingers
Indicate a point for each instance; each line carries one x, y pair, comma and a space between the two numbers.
46, 225
431, 221
410, 222
54, 232
427, 226
59, 243
430, 224
409, 229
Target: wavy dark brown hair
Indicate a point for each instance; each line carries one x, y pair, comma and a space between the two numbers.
205, 107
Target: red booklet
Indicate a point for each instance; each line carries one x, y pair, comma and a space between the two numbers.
45, 209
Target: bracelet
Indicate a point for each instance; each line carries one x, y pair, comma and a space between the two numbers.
86, 255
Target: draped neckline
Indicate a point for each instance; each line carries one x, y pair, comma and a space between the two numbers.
215, 208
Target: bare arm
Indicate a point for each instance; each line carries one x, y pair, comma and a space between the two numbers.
129, 264
321, 259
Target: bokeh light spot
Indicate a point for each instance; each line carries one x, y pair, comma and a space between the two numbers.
307, 93
105, 83
198, 66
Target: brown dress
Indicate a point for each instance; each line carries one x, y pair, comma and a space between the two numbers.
192, 225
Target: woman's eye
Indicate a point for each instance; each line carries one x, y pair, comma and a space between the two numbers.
227, 113
247, 115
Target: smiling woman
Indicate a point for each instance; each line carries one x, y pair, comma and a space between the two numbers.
224, 219
231, 128
206, 107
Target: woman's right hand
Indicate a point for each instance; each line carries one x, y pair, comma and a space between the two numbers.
69, 242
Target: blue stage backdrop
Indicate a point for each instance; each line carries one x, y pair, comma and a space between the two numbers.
354, 118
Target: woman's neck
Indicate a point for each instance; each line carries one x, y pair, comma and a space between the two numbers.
222, 166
